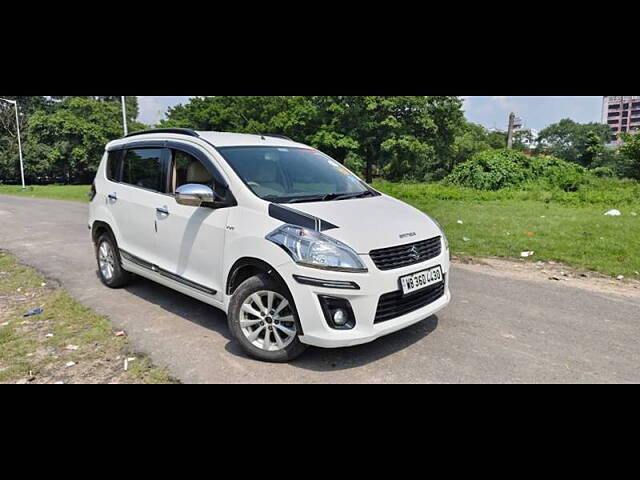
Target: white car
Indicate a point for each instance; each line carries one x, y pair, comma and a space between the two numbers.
295, 248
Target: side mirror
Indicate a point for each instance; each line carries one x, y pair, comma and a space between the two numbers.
194, 195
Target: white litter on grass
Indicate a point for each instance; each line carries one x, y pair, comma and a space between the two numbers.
460, 222
465, 239
72, 347
70, 364
126, 362
620, 277
49, 335
613, 213
527, 254
120, 334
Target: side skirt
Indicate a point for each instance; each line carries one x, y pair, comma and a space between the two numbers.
138, 266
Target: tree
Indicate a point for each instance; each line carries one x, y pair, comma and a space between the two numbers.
401, 137
594, 148
574, 142
497, 139
61, 136
70, 141
9, 154
131, 103
471, 139
631, 150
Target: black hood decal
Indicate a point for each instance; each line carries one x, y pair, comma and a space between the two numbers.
300, 219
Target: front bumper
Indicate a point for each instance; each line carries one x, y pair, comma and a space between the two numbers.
364, 301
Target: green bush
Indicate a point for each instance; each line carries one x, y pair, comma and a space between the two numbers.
490, 170
498, 169
603, 172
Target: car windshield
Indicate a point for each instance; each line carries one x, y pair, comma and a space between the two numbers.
293, 175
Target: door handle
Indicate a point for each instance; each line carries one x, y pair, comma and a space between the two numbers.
162, 210
113, 196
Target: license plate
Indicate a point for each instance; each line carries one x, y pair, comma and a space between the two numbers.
418, 281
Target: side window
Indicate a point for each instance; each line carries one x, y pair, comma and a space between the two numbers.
187, 169
113, 165
143, 168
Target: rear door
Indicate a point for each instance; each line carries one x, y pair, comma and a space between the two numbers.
142, 189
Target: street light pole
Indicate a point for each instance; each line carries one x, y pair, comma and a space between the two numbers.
15, 104
124, 117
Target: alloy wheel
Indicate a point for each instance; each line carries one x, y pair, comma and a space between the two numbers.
106, 260
266, 320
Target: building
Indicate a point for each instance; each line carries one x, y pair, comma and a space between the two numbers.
622, 114
531, 140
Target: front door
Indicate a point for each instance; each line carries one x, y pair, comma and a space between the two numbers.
191, 239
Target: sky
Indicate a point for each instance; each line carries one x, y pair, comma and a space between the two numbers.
152, 109
490, 112
535, 112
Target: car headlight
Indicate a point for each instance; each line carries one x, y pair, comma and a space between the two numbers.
444, 236
315, 249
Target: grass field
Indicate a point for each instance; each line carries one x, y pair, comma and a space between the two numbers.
66, 343
74, 193
558, 226
567, 227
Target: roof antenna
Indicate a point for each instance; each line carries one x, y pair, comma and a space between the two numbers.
255, 130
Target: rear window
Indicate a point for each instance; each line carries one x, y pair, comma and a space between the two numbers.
143, 168
113, 165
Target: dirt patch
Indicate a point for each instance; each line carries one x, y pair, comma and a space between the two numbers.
549, 272
63, 343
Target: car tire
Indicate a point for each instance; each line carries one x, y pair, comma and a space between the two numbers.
249, 315
110, 268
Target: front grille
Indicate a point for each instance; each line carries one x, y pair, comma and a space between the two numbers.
395, 304
405, 255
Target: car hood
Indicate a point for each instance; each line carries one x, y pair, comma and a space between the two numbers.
371, 223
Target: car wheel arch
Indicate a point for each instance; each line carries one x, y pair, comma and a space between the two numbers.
98, 228
248, 267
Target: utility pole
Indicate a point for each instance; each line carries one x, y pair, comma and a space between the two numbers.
124, 117
512, 121
15, 104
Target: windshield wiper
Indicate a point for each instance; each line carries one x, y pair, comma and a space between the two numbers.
348, 196
315, 198
330, 196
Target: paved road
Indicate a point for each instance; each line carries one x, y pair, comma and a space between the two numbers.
496, 329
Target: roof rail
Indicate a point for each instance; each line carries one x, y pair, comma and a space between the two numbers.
181, 131
275, 135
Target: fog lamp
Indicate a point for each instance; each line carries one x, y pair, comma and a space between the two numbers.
340, 317
338, 312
